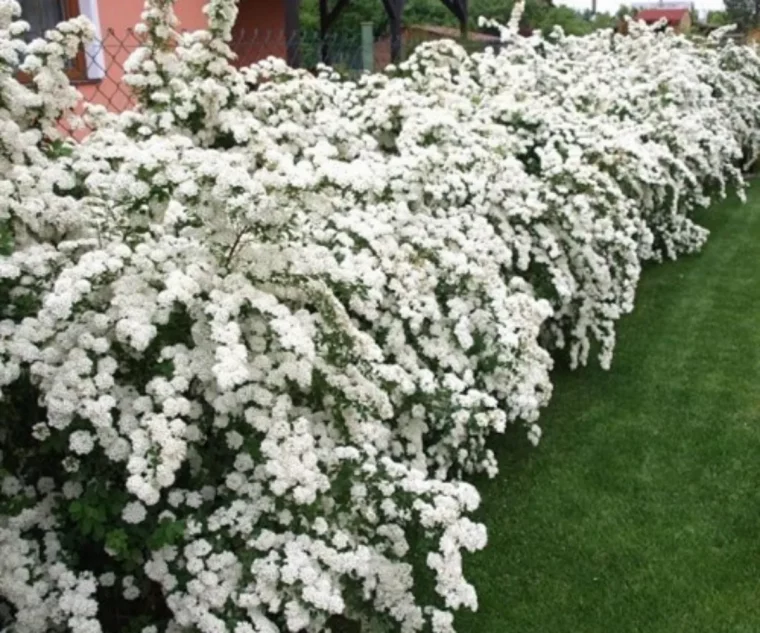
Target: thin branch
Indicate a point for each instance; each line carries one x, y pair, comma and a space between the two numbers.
235, 245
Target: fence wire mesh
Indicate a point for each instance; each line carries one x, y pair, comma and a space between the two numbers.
98, 72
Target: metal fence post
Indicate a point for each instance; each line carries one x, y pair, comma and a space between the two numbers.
368, 47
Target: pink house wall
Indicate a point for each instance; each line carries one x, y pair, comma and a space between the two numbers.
259, 32
117, 19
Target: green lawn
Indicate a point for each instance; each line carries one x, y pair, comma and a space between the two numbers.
640, 510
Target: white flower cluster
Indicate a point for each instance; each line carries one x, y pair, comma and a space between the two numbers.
254, 332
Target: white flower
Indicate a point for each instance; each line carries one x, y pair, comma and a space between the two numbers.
534, 434
134, 512
81, 442
234, 440
292, 309
131, 593
10, 486
107, 579
72, 489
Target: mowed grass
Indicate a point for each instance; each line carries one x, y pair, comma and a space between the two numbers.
640, 509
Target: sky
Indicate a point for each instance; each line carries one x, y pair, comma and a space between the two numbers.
611, 6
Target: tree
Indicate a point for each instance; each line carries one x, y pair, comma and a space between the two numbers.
718, 18
604, 21
572, 22
353, 15
744, 13
539, 14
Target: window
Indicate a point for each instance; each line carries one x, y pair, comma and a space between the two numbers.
46, 14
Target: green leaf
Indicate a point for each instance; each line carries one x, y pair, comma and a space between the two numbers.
7, 242
118, 541
75, 509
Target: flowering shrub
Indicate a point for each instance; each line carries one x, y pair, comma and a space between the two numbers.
253, 333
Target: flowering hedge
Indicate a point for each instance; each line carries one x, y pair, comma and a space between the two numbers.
254, 333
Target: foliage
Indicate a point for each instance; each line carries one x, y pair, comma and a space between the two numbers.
744, 13
539, 14
254, 332
718, 18
623, 11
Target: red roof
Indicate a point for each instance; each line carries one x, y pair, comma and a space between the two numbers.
673, 16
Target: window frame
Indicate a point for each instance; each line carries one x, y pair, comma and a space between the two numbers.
77, 73
78, 70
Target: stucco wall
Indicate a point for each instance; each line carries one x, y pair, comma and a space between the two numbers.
124, 14
116, 19
685, 25
260, 30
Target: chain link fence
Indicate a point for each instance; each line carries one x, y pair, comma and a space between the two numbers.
98, 72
